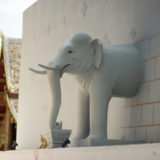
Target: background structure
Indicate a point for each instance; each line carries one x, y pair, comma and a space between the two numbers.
10, 55
48, 23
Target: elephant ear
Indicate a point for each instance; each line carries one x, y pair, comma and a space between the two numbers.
98, 48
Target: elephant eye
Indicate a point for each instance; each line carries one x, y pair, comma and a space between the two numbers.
70, 51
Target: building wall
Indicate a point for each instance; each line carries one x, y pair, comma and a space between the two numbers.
144, 109
47, 24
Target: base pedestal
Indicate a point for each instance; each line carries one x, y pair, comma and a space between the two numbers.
100, 142
59, 136
56, 137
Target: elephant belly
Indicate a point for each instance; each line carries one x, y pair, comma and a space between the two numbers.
127, 84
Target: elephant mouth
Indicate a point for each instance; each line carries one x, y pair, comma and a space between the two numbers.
55, 67
62, 70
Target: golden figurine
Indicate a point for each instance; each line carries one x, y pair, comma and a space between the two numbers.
44, 143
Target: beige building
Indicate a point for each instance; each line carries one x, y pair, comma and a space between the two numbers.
48, 23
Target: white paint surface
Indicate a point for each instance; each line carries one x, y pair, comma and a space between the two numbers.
127, 152
46, 25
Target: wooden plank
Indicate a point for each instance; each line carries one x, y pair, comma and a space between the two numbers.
3, 103
2, 80
7, 130
2, 95
2, 98
2, 85
1, 72
13, 95
2, 109
1, 122
2, 116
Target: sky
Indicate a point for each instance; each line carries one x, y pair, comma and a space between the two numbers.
11, 16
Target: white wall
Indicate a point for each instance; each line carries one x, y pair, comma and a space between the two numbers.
131, 152
46, 25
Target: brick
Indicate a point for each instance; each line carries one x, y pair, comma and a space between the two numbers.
147, 114
149, 70
158, 67
158, 133
143, 94
128, 134
142, 72
155, 46
118, 101
156, 113
125, 117
152, 134
136, 116
144, 48
154, 91
131, 101
141, 134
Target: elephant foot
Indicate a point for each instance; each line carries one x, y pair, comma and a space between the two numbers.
79, 137
91, 137
91, 140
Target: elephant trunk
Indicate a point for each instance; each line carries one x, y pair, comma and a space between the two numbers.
54, 81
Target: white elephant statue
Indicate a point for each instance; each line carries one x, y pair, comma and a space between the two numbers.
102, 72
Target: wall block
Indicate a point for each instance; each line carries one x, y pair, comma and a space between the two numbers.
145, 114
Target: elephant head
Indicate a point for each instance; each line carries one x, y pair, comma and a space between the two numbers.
78, 54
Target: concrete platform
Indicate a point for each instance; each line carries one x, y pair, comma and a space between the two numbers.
124, 152
101, 142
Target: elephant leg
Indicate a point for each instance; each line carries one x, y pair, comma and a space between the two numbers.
99, 100
83, 116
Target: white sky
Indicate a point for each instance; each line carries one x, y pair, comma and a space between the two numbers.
11, 16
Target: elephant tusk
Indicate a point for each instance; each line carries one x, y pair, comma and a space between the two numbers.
61, 72
48, 67
37, 71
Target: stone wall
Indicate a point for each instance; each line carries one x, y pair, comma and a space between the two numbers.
48, 23
144, 109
